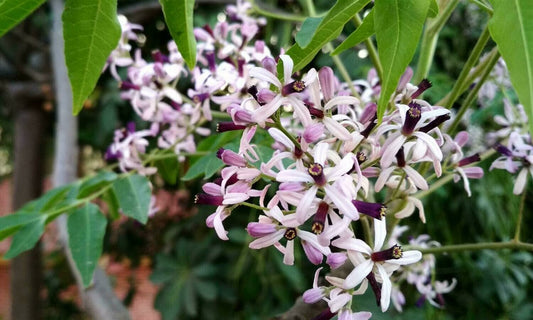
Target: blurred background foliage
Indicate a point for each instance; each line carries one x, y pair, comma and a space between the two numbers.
201, 277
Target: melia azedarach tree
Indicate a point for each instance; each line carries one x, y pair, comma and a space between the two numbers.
333, 165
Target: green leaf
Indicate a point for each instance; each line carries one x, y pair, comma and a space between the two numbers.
168, 169
309, 26
364, 31
212, 166
134, 193
198, 168
113, 206
179, 18
12, 12
26, 237
511, 27
11, 223
433, 9
216, 141
329, 29
96, 183
91, 31
398, 25
86, 229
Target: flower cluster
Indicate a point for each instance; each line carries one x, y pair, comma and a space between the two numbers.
335, 179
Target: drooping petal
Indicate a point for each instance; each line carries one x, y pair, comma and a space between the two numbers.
265, 75
382, 179
288, 258
416, 177
336, 129
358, 274
344, 204
386, 288
520, 182
431, 143
302, 210
267, 241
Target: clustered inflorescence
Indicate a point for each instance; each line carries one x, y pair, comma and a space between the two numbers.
332, 159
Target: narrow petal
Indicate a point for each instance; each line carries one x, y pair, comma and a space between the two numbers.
292, 175
520, 182
302, 210
382, 179
261, 114
336, 129
416, 177
386, 288
281, 138
288, 64
380, 232
265, 75
344, 204
321, 152
358, 274
288, 258
430, 142
352, 244
267, 240
408, 257
340, 100
391, 150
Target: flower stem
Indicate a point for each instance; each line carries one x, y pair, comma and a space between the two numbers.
372, 52
251, 205
275, 14
517, 245
520, 215
429, 40
483, 6
469, 64
492, 59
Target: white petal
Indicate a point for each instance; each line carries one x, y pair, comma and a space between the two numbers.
520, 182
320, 153
261, 114
287, 67
288, 258
389, 154
380, 232
382, 179
358, 274
292, 175
340, 100
267, 241
416, 177
386, 288
344, 205
264, 75
430, 142
342, 168
352, 244
408, 257
281, 138
302, 210
336, 129
300, 110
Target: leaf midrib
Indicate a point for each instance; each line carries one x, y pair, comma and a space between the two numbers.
526, 52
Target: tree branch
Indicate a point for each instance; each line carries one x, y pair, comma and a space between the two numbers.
99, 300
